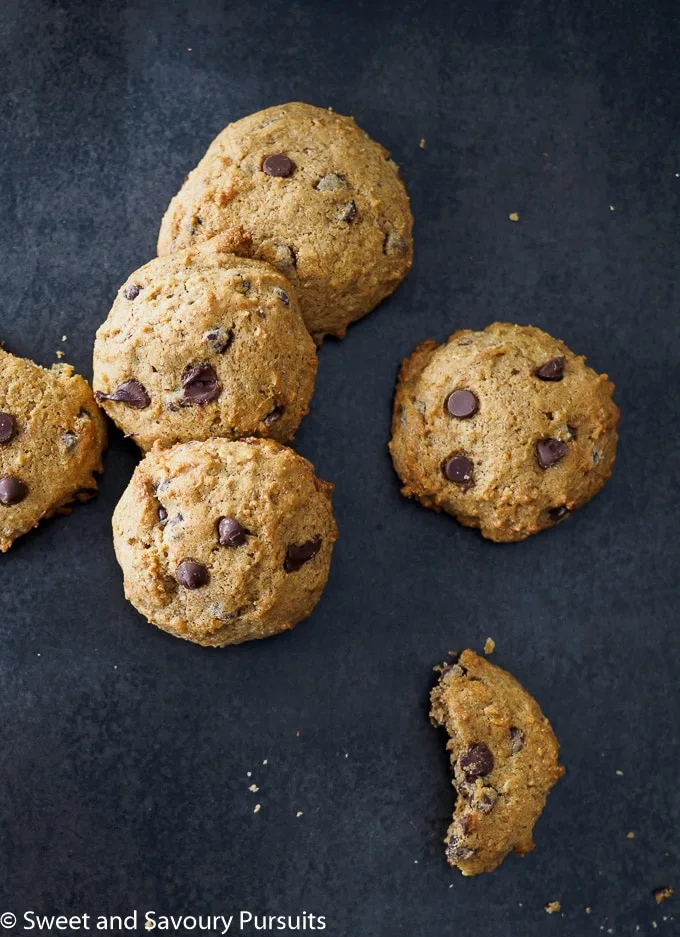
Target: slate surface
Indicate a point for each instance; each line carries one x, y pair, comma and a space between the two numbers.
123, 752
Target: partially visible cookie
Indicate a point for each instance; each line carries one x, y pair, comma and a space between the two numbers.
505, 429
503, 758
52, 436
222, 542
318, 198
203, 343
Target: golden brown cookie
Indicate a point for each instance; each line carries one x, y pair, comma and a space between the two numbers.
505, 429
503, 758
316, 197
203, 343
221, 542
52, 436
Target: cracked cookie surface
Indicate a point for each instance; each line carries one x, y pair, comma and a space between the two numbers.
503, 757
317, 198
204, 343
222, 541
52, 436
506, 429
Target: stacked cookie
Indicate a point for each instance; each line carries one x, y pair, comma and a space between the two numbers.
293, 225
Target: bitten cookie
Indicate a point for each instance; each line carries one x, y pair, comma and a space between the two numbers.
315, 196
221, 542
505, 429
202, 343
504, 762
52, 436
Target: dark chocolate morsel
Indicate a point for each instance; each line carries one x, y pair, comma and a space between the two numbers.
8, 427
273, 417
557, 514
132, 291
456, 850
300, 553
131, 392
283, 296
347, 212
459, 469
230, 533
218, 339
462, 404
278, 164
552, 370
200, 384
12, 490
550, 451
192, 575
476, 761
162, 516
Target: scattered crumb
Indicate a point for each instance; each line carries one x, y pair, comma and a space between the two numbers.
620, 773
514, 216
257, 808
299, 813
254, 788
553, 907
249, 774
149, 925
297, 733
422, 144
346, 754
630, 835
59, 354
265, 762
662, 894
489, 646
63, 338
190, 50
611, 208
546, 154
415, 862
587, 910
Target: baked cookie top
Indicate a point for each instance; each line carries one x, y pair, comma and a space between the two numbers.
315, 196
52, 436
506, 429
503, 757
203, 343
221, 542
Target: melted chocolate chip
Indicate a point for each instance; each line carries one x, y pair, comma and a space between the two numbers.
550, 451
457, 850
465, 823
162, 516
462, 404
486, 800
70, 441
283, 296
300, 553
12, 490
200, 384
273, 417
133, 393
459, 469
516, 740
8, 427
552, 370
132, 291
230, 533
329, 182
278, 164
218, 339
347, 213
192, 575
557, 514
476, 761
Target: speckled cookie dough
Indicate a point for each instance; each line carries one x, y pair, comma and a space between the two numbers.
505, 429
204, 343
317, 197
222, 542
52, 436
503, 758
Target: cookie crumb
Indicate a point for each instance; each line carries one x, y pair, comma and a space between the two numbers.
63, 338
587, 910
662, 894
553, 907
422, 143
254, 788
60, 354
249, 774
514, 216
630, 835
611, 208
619, 773
299, 813
265, 762
489, 646
257, 808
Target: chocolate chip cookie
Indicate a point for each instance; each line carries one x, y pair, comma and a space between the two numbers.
221, 542
318, 199
52, 436
503, 757
204, 343
505, 429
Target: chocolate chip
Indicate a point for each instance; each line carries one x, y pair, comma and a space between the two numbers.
132, 392
241, 285
278, 165
597, 455
218, 339
300, 553
230, 533
132, 291
12, 490
459, 469
550, 451
329, 182
273, 417
347, 213
192, 575
552, 370
8, 427
394, 244
284, 258
200, 384
465, 824
516, 740
476, 761
283, 296
557, 514
457, 850
462, 404
69, 440
162, 516
486, 800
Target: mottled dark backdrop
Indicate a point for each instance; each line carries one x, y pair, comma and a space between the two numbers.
124, 753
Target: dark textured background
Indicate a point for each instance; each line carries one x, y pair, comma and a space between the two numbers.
123, 751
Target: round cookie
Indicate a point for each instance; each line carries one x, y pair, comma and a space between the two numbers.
503, 757
221, 542
313, 195
505, 429
52, 436
203, 343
